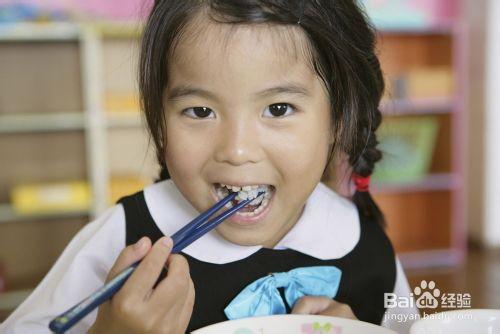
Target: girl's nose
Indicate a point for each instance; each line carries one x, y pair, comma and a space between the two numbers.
238, 144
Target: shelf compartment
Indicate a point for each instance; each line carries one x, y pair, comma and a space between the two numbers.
428, 227
41, 157
27, 259
442, 153
8, 214
432, 258
39, 32
43, 122
9, 300
431, 182
41, 77
421, 106
401, 53
119, 30
444, 28
124, 119
131, 153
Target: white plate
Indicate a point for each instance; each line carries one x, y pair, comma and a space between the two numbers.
459, 322
294, 324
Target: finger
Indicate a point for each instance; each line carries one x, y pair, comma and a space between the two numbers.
187, 309
337, 309
129, 256
311, 305
182, 316
146, 274
175, 284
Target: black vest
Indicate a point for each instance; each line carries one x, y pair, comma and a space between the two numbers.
368, 271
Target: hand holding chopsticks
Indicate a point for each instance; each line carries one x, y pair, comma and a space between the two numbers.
145, 304
182, 238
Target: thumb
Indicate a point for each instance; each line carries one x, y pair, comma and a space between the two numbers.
311, 305
129, 256
337, 309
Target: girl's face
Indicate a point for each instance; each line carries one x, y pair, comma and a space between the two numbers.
244, 108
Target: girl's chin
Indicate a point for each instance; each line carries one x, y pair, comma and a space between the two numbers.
240, 238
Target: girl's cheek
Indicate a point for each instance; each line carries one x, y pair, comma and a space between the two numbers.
307, 142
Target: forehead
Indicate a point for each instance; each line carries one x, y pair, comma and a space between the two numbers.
212, 53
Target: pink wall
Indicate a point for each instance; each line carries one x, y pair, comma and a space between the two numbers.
110, 9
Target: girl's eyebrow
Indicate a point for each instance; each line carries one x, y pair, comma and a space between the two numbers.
188, 90
286, 89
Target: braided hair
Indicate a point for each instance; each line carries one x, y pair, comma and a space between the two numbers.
342, 51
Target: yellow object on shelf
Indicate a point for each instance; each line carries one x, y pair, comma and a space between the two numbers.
420, 83
121, 102
430, 82
124, 185
51, 197
110, 29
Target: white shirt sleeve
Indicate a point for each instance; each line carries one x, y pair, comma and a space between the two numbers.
400, 318
79, 271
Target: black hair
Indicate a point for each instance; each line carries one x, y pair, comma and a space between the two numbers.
343, 53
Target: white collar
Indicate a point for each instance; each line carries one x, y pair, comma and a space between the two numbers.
328, 228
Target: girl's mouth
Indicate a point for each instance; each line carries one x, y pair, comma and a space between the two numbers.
253, 211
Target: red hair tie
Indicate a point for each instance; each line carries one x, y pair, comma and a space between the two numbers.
362, 183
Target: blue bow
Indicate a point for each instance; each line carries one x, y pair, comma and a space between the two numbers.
263, 298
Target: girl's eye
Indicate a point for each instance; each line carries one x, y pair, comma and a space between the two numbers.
199, 112
279, 110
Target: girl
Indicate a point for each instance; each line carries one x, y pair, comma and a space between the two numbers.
242, 96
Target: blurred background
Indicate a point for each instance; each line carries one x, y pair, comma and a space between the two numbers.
72, 141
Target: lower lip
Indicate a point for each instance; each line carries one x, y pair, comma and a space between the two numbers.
240, 219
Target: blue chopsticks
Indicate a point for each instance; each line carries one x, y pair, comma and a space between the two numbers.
182, 238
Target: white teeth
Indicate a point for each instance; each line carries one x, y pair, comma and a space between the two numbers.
242, 196
256, 201
248, 192
265, 202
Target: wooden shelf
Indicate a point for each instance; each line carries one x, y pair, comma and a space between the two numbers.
34, 137
432, 105
64, 121
426, 217
119, 30
123, 119
431, 182
39, 32
66, 31
432, 258
9, 214
41, 122
9, 300
445, 28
